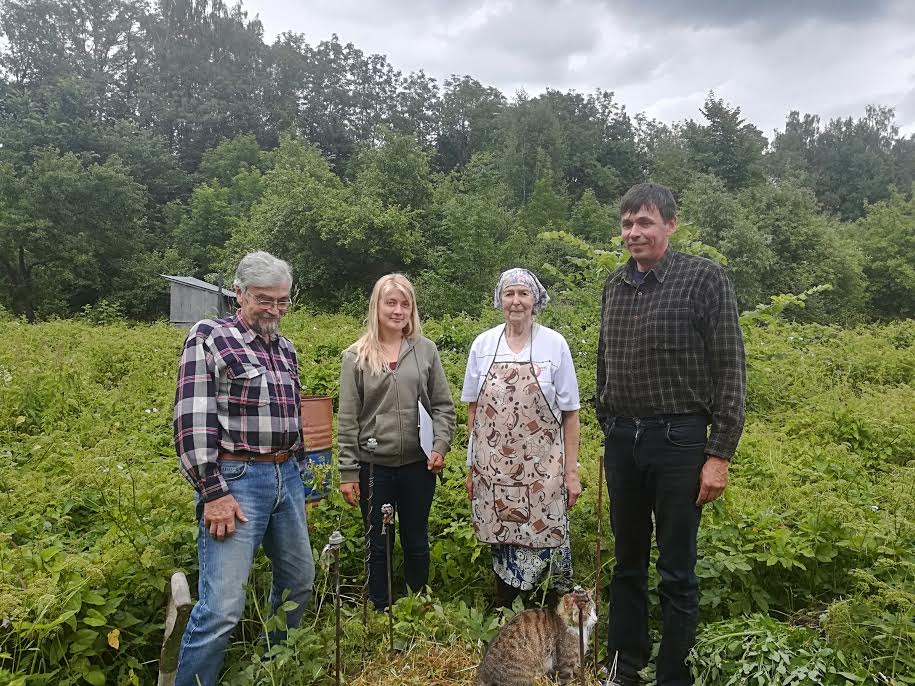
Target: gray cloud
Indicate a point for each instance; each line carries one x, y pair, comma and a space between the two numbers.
659, 56
768, 13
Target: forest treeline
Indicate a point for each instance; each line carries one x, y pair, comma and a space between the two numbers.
139, 139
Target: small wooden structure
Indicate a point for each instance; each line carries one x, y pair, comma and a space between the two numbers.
193, 300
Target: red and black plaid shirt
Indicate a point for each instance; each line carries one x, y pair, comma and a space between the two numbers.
673, 345
236, 393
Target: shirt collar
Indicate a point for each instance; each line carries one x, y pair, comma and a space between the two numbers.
660, 269
247, 333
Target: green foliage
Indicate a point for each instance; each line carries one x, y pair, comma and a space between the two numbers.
776, 242
807, 570
727, 146
191, 105
886, 235
759, 650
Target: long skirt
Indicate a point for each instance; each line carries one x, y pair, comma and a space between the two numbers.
524, 568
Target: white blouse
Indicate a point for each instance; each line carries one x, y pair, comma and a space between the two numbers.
552, 360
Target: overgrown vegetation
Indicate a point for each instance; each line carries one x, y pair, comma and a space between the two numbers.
808, 567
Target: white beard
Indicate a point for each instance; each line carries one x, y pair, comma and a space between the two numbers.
266, 327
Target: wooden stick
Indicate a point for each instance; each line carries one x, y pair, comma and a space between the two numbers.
177, 612
597, 552
387, 511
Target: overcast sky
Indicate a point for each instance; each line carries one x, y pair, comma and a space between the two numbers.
661, 57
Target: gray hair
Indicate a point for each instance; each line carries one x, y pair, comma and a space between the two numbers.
261, 270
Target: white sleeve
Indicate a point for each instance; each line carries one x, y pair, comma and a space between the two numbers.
565, 382
471, 389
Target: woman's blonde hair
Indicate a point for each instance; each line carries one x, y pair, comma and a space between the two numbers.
369, 353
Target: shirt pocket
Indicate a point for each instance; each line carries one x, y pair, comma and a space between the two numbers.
671, 329
248, 385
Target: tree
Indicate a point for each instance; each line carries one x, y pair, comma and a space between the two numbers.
477, 237
724, 223
469, 115
592, 221
417, 109
327, 230
886, 235
396, 172
848, 162
727, 146
203, 79
65, 229
665, 153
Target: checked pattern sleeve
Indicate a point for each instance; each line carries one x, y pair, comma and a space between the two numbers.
196, 421
727, 361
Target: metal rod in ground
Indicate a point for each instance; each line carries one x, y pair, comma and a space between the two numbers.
368, 548
336, 538
387, 514
581, 642
597, 552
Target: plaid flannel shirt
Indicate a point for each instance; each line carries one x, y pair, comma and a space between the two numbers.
673, 345
236, 393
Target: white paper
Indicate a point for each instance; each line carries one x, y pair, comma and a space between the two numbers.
425, 429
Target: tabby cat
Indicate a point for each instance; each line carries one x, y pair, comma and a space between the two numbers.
539, 642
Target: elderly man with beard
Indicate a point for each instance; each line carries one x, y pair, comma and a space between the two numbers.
239, 445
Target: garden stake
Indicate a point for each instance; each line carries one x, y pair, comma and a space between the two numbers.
597, 552
336, 538
368, 547
387, 514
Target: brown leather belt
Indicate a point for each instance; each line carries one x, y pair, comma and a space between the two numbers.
278, 457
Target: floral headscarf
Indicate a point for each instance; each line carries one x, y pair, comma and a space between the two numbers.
522, 277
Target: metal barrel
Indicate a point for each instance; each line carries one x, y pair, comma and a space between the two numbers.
317, 434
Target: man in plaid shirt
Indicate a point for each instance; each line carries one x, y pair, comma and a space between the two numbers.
239, 445
671, 383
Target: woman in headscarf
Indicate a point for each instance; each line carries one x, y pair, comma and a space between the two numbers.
523, 449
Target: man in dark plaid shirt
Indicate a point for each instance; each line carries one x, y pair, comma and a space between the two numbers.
670, 364
239, 444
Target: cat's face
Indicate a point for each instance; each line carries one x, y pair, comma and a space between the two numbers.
578, 601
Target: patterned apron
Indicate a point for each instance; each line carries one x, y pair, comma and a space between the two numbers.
518, 477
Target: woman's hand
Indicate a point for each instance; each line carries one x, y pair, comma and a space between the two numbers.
573, 488
436, 462
350, 492
469, 484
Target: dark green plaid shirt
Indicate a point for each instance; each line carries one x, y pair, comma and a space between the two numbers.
673, 345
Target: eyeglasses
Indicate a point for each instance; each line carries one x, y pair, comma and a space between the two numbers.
281, 304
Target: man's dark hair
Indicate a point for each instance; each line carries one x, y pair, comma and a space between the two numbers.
649, 195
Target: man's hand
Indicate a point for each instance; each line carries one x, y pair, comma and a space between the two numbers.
573, 489
469, 485
436, 462
219, 516
713, 479
350, 492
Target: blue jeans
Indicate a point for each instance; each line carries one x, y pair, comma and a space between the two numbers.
653, 469
272, 497
410, 489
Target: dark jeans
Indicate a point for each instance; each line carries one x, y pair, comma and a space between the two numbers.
409, 489
653, 468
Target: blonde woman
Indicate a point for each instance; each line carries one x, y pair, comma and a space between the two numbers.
386, 375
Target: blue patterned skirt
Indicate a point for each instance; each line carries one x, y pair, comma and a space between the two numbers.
524, 568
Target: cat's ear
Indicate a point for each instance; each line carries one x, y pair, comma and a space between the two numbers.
568, 601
